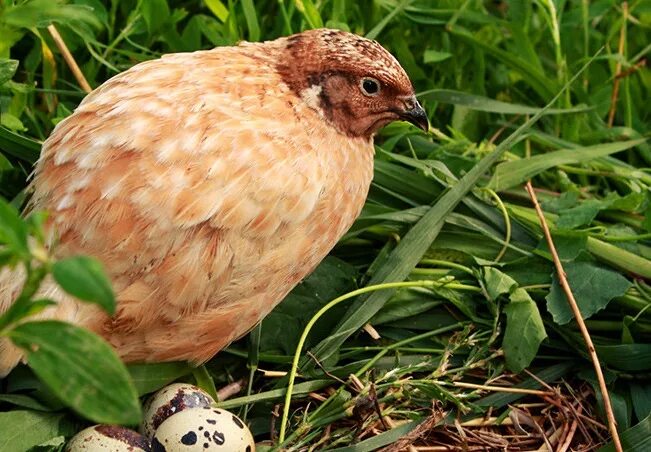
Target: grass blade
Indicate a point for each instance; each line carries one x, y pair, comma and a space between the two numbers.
481, 103
509, 174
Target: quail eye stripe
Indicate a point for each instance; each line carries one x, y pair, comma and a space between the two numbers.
370, 86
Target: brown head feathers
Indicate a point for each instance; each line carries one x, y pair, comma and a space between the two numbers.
353, 82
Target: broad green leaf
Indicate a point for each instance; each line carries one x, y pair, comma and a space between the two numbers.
497, 282
80, 369
641, 398
580, 215
11, 122
634, 439
626, 357
156, 13
19, 146
84, 278
509, 174
150, 377
524, 331
593, 288
39, 13
283, 327
568, 244
13, 230
20, 429
481, 103
7, 69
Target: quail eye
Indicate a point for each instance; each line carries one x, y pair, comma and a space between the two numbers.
370, 86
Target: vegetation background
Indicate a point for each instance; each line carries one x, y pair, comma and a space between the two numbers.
480, 304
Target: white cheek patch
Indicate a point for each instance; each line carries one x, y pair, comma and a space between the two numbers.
311, 96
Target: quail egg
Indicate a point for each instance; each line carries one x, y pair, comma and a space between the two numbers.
203, 429
170, 400
105, 438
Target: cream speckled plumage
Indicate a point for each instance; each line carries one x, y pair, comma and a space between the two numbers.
209, 184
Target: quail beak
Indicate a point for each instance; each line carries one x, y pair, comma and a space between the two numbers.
414, 113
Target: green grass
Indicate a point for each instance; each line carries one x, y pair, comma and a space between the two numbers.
447, 213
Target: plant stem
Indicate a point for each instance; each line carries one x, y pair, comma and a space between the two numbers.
562, 278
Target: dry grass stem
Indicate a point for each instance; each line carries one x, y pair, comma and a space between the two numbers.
70, 60
230, 390
372, 332
612, 424
618, 67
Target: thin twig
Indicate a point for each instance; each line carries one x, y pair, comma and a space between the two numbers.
562, 278
568, 439
618, 67
70, 60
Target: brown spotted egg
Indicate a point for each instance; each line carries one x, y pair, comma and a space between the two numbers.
203, 429
171, 400
105, 438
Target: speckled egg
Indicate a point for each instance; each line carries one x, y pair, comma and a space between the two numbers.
203, 429
171, 400
105, 438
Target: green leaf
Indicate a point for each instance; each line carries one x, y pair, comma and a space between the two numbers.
641, 398
635, 439
13, 230
218, 9
580, 215
84, 278
310, 12
11, 122
282, 328
21, 308
20, 429
23, 401
524, 331
509, 174
569, 244
40, 13
626, 357
7, 69
80, 369
497, 282
251, 20
481, 103
593, 288
150, 377
382, 439
156, 13
19, 146
434, 56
